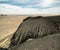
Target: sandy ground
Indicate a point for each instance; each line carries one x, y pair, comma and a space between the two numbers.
8, 25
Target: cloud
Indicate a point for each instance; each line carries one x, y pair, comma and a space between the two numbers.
46, 3
54, 10
39, 4
24, 1
10, 9
21, 1
3, 0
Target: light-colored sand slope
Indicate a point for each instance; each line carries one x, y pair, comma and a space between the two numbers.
8, 25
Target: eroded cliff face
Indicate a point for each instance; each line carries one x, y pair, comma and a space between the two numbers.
33, 27
49, 42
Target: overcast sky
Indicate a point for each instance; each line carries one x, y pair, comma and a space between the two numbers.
29, 6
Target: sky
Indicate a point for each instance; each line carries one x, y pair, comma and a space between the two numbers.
29, 6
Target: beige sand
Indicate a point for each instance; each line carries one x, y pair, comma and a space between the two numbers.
8, 25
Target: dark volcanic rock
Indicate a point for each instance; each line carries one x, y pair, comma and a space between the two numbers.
50, 42
33, 27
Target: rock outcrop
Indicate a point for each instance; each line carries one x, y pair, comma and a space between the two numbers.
33, 27
50, 42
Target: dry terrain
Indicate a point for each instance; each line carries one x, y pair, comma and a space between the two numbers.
8, 25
